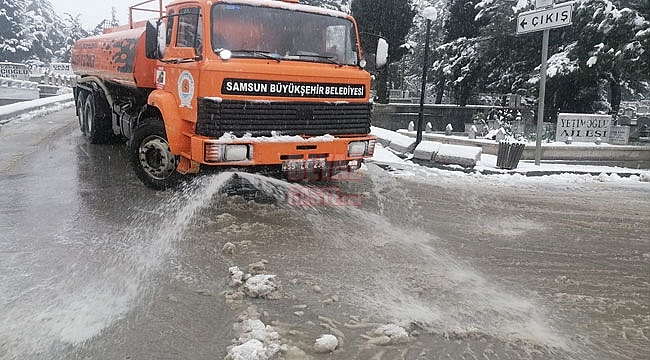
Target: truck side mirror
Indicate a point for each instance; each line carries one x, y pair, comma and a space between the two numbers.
155, 39
381, 56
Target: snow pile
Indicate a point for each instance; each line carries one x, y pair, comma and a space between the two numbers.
388, 334
237, 277
228, 248
466, 156
326, 343
447, 154
426, 150
261, 286
384, 155
400, 143
275, 137
255, 286
383, 135
256, 341
604, 177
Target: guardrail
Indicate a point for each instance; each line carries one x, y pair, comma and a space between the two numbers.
56, 79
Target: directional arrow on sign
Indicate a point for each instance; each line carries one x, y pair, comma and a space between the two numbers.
536, 20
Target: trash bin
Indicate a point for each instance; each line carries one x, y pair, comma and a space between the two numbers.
509, 154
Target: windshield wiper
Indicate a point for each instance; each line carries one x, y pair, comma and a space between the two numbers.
264, 54
182, 60
329, 58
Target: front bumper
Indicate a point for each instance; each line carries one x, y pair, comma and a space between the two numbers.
290, 152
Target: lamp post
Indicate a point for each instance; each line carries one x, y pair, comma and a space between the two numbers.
430, 13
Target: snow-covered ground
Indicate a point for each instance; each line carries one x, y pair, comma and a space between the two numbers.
487, 164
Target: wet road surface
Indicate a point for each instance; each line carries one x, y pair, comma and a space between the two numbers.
93, 265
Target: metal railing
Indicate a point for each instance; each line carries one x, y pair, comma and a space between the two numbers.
53, 79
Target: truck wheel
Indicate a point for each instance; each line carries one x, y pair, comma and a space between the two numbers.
96, 127
150, 156
80, 102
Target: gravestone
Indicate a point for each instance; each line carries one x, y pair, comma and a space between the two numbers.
471, 134
619, 135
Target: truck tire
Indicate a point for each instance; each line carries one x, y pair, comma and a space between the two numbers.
96, 124
151, 157
80, 101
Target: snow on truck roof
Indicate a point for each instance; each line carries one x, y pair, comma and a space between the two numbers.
279, 4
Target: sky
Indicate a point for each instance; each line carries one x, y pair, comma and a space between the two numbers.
93, 12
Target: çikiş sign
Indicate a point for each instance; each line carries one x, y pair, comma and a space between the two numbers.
291, 89
583, 127
546, 18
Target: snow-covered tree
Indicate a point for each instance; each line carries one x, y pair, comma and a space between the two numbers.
44, 31
13, 46
73, 31
604, 54
613, 45
640, 6
461, 20
390, 19
481, 52
457, 66
106, 23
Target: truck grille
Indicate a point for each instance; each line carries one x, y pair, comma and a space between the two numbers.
286, 118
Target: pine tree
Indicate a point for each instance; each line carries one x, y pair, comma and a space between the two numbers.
73, 31
43, 31
460, 22
13, 46
613, 45
388, 18
99, 28
461, 33
114, 20
640, 6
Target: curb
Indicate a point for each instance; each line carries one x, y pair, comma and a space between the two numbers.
626, 173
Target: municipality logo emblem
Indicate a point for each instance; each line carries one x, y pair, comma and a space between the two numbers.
186, 89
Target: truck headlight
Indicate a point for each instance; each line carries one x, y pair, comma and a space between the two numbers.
223, 152
236, 153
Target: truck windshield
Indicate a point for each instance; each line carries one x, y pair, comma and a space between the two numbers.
281, 34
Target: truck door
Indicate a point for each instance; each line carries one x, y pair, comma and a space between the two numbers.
186, 49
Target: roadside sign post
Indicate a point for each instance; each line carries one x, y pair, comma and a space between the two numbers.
542, 96
547, 16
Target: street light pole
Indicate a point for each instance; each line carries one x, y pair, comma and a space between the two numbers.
431, 14
425, 64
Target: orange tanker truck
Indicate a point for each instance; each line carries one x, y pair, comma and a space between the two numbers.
229, 83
